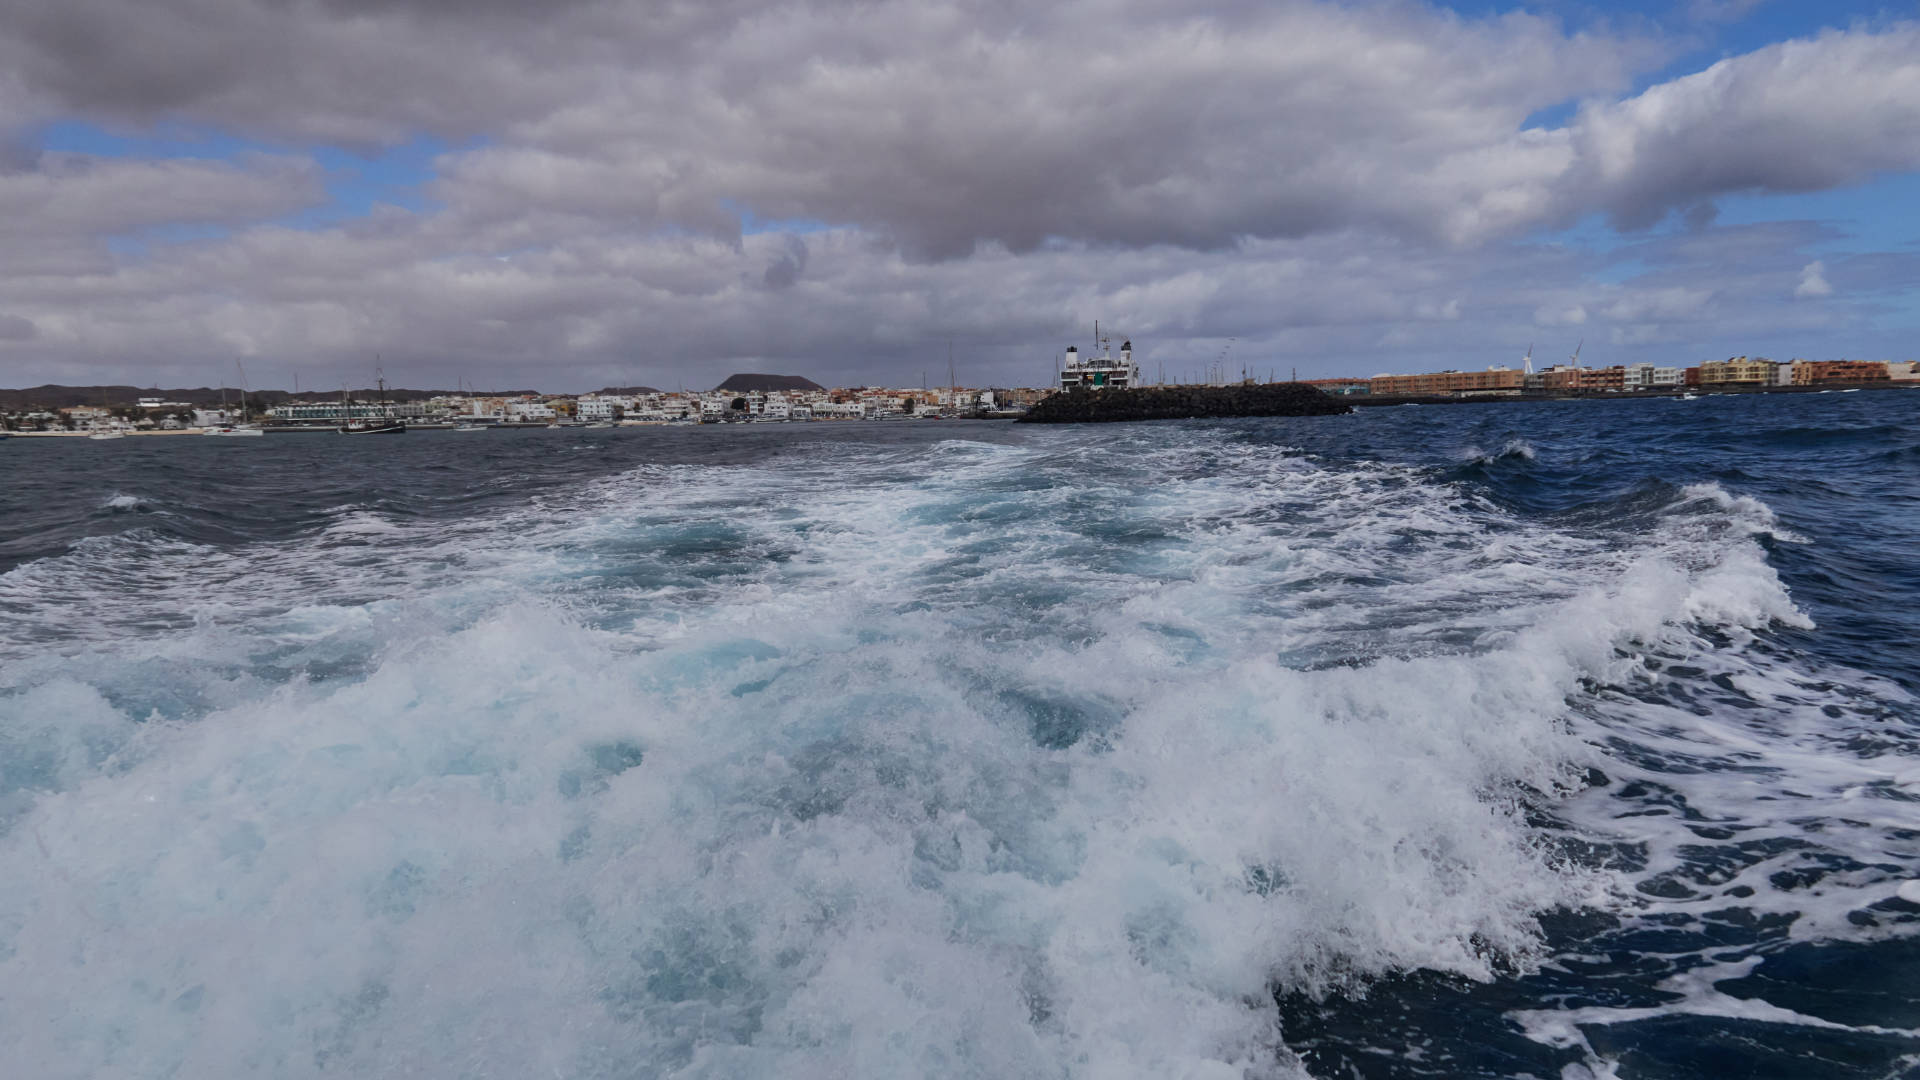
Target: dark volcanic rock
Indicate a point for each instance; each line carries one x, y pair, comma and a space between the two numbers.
1182, 402
750, 381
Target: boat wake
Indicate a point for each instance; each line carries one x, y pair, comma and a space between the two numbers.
954, 760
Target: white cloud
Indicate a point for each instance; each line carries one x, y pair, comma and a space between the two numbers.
1567, 316
1813, 281
1311, 178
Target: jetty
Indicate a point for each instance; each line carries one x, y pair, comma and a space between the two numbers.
1088, 406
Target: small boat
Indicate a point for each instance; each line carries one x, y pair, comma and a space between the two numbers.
234, 431
108, 435
600, 424
372, 427
469, 427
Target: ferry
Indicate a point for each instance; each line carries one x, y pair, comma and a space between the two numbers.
1102, 372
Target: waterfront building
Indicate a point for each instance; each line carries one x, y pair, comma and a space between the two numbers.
1740, 371
1601, 378
330, 412
530, 412
1649, 377
1903, 370
1492, 381
1815, 372
599, 408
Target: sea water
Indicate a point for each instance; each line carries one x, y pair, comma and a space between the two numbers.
1554, 740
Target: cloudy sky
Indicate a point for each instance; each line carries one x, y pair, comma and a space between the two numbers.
583, 192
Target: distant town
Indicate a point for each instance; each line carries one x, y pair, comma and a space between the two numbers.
741, 399
1739, 373
120, 411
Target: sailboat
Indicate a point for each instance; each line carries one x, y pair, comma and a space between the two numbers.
466, 394
243, 429
351, 425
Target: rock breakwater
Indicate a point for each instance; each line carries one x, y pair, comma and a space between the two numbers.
1183, 402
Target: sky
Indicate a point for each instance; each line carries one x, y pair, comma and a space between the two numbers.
583, 193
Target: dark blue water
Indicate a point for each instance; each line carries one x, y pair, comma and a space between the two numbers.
1569, 739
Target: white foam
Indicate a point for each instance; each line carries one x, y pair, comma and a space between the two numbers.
733, 771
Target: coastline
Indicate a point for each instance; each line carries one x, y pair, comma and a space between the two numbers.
1364, 400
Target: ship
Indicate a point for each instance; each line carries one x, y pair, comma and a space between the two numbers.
1104, 371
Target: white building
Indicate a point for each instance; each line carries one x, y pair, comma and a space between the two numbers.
530, 411
594, 407
1648, 377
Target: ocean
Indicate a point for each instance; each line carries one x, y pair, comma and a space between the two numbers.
1560, 740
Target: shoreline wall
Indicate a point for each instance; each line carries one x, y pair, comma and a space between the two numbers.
1183, 403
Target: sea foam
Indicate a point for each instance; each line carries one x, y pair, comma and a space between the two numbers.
981, 761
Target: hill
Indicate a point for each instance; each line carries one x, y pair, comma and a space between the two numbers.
750, 381
625, 391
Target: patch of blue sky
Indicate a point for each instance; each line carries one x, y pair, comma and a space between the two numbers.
356, 181
162, 141
751, 223
395, 176
1552, 117
1880, 215
1618, 271
1724, 26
